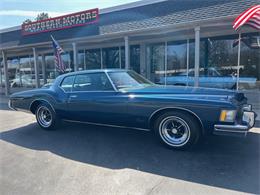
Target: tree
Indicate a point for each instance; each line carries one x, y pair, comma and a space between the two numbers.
40, 16
27, 21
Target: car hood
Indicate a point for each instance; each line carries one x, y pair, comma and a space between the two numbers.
189, 92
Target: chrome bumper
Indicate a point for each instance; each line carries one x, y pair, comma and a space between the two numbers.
10, 105
248, 121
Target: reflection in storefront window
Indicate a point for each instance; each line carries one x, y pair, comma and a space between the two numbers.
111, 57
249, 74
93, 59
219, 67
122, 50
21, 72
67, 60
51, 71
156, 63
220, 70
218, 62
176, 62
135, 58
81, 60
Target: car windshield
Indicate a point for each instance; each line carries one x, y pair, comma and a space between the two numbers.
128, 79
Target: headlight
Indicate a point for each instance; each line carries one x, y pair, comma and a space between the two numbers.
227, 115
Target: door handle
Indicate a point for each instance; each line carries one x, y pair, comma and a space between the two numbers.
73, 96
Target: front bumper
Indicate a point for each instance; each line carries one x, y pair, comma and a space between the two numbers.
246, 123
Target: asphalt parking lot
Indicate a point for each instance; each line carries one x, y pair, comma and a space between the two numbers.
81, 159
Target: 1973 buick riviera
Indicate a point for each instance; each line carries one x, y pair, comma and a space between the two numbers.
178, 115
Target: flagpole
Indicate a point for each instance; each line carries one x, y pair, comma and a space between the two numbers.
238, 59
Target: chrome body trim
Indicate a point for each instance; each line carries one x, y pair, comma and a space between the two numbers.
231, 128
184, 109
71, 91
10, 106
111, 81
106, 125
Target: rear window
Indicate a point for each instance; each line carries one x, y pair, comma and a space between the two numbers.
67, 83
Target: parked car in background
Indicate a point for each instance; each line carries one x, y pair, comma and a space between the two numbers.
27, 80
179, 116
47, 85
208, 78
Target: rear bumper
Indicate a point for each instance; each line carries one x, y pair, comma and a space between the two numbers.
248, 121
10, 105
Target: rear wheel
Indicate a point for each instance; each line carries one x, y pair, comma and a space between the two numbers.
177, 130
46, 117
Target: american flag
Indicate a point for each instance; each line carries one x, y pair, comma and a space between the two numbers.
249, 17
57, 53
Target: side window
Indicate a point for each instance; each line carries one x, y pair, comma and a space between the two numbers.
92, 82
67, 83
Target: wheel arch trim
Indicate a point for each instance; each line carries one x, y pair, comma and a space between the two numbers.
41, 100
176, 108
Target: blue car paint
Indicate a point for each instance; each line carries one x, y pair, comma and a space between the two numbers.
132, 107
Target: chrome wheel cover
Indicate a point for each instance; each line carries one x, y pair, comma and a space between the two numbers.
44, 116
174, 131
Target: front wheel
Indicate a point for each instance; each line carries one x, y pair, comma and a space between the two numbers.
177, 130
46, 117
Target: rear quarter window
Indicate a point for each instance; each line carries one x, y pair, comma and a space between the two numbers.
67, 83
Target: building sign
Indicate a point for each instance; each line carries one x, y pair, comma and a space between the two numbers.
61, 22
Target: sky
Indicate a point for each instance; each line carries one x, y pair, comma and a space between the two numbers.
14, 12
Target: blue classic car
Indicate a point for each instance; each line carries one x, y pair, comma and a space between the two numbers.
179, 116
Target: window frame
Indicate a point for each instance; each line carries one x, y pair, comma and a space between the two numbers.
106, 75
60, 85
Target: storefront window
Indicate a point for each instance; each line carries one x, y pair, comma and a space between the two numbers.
51, 71
111, 57
93, 59
67, 59
135, 58
41, 71
156, 63
122, 57
81, 60
221, 58
176, 63
22, 73
249, 74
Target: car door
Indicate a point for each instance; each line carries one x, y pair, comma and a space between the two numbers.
93, 99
